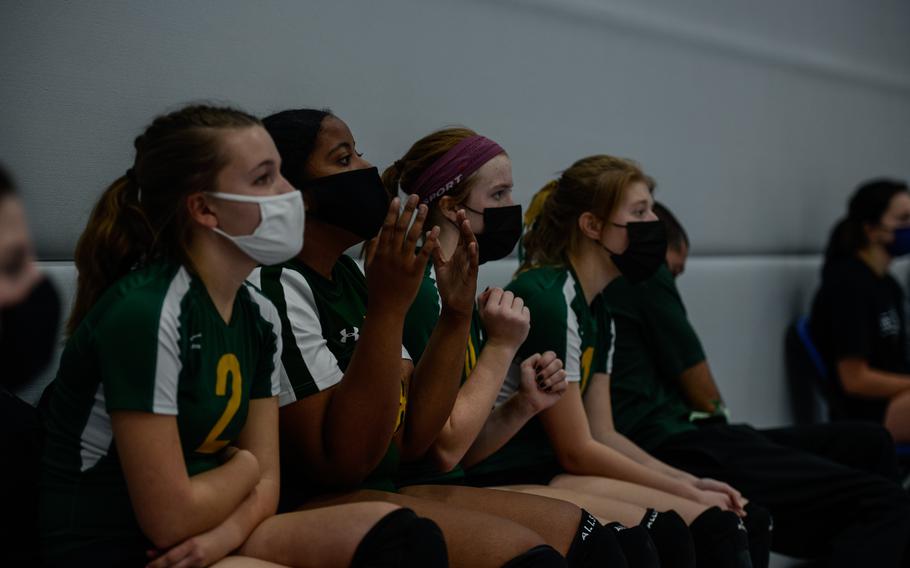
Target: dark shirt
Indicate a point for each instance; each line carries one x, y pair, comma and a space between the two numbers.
858, 314
655, 344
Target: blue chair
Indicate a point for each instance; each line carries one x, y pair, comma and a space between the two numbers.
807, 359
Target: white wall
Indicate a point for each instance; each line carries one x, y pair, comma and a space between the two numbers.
756, 118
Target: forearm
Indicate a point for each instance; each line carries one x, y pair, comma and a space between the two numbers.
872, 383
259, 505
501, 426
435, 384
210, 498
363, 409
623, 445
699, 388
593, 458
472, 407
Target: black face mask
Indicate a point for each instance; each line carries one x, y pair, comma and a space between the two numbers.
646, 251
28, 334
355, 201
501, 231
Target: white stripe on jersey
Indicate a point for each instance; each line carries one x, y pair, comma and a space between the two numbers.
612, 346
95, 441
572, 361
510, 384
270, 313
255, 278
436, 287
167, 362
285, 390
304, 319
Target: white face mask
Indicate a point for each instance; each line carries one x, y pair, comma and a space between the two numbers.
279, 236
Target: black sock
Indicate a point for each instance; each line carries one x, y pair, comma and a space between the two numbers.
542, 556
760, 526
595, 546
720, 540
401, 539
637, 545
671, 537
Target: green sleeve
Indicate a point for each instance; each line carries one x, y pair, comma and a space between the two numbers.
550, 328
138, 345
267, 382
422, 317
606, 333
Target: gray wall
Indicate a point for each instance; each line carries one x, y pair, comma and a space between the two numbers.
757, 118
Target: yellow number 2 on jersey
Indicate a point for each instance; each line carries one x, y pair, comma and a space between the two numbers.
227, 365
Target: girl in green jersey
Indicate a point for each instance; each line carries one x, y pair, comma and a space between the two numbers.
584, 230
162, 422
348, 420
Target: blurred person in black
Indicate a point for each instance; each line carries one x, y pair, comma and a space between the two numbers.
29, 318
858, 321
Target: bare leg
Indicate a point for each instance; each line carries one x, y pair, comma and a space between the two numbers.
475, 539
897, 417
555, 520
606, 509
325, 536
630, 493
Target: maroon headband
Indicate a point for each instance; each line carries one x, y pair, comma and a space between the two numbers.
454, 166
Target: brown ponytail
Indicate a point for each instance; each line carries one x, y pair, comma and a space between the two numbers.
597, 184
142, 216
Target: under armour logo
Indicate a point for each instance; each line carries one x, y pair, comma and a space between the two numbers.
345, 335
193, 338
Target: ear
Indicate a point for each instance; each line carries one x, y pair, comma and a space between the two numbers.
199, 211
590, 225
448, 208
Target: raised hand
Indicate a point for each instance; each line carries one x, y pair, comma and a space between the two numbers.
543, 380
456, 277
394, 271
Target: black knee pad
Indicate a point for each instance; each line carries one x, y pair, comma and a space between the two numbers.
637, 545
720, 540
760, 527
542, 556
671, 537
595, 546
401, 539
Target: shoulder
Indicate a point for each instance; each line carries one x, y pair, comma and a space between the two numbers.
348, 267
542, 285
847, 272
285, 285
144, 297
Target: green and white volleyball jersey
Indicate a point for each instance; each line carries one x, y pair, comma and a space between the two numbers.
321, 322
418, 327
154, 343
563, 322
